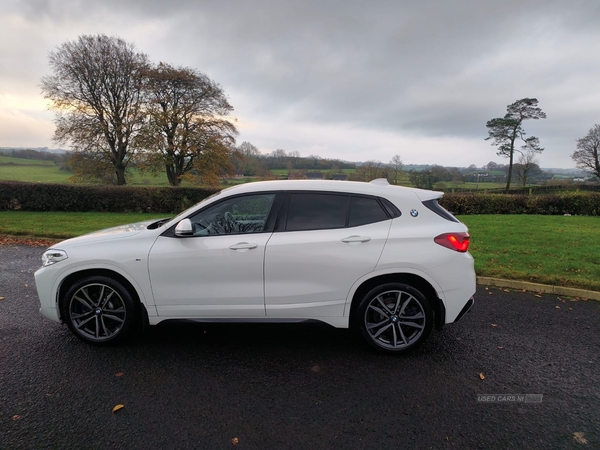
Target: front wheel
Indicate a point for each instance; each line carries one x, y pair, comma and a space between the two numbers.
395, 317
99, 310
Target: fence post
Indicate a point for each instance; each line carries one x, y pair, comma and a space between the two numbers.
530, 191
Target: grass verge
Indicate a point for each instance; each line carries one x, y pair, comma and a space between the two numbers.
61, 225
554, 250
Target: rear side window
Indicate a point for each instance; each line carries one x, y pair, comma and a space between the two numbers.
321, 211
364, 210
308, 211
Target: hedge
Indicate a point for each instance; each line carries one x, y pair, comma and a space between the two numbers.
574, 203
16, 195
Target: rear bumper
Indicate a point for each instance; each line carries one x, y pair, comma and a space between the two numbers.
465, 309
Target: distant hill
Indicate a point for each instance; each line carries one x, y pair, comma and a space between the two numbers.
58, 151
572, 171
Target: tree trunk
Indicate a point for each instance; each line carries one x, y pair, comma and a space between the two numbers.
120, 172
172, 176
509, 176
510, 161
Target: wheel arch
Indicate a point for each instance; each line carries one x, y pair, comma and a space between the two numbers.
74, 277
416, 281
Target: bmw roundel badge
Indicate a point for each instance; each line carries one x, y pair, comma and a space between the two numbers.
414, 213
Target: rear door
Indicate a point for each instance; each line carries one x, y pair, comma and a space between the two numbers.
323, 243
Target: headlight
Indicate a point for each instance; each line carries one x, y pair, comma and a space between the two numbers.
53, 256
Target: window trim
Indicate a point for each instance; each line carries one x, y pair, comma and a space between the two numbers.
434, 206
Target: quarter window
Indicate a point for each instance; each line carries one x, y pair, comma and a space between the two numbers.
364, 210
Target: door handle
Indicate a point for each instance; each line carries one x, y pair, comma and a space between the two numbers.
243, 246
356, 239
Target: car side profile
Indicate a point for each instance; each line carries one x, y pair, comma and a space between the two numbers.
386, 260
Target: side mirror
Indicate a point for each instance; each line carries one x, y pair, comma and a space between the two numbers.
184, 228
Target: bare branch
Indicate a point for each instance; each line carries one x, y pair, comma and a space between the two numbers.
95, 89
587, 155
188, 119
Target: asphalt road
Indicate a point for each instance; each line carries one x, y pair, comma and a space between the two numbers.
300, 386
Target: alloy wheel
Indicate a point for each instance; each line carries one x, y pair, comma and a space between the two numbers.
394, 319
97, 312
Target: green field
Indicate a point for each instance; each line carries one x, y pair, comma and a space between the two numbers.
475, 185
31, 170
279, 172
60, 225
555, 250
40, 171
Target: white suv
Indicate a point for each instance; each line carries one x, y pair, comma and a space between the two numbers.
387, 260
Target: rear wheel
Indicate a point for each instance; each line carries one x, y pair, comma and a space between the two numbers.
395, 317
99, 310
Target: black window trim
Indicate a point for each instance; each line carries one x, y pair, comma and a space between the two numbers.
391, 209
438, 209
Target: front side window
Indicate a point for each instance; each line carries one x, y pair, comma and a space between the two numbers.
237, 215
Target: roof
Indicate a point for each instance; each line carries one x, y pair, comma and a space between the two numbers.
379, 187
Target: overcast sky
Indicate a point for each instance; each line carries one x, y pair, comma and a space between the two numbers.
348, 79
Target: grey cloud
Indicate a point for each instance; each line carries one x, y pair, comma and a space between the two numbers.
429, 68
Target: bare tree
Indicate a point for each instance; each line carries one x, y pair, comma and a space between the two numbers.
527, 166
504, 131
587, 155
247, 149
397, 165
188, 129
279, 153
423, 179
370, 170
95, 89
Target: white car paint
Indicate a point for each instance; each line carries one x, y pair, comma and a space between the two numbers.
322, 257
284, 275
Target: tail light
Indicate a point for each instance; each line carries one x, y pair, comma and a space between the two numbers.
454, 241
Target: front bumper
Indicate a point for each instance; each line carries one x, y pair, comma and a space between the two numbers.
47, 293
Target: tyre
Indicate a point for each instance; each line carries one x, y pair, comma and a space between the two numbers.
395, 318
99, 310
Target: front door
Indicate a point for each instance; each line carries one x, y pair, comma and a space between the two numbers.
217, 272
